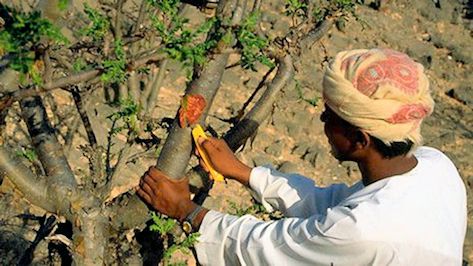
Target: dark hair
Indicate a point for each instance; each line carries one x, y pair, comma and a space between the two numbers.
396, 148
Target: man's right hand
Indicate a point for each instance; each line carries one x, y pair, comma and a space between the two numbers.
224, 160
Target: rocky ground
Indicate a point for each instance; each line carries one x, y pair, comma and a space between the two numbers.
292, 139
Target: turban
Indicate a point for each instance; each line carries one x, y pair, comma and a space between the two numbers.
381, 91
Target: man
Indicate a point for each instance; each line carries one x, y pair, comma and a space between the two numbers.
408, 209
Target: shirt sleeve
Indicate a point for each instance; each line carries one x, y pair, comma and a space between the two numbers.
295, 195
231, 240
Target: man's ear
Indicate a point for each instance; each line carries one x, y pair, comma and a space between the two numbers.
362, 139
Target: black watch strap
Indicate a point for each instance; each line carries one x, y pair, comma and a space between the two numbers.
187, 224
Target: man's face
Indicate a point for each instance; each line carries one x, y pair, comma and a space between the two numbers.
337, 130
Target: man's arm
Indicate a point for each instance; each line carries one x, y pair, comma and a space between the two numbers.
330, 240
295, 195
292, 194
227, 239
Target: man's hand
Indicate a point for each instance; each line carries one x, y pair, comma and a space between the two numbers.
167, 196
224, 160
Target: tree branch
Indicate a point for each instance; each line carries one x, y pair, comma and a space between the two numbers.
70, 80
61, 181
81, 109
34, 190
316, 34
151, 93
176, 151
247, 127
250, 123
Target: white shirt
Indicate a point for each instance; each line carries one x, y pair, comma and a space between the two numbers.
418, 218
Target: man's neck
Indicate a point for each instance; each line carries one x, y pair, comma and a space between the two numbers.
376, 168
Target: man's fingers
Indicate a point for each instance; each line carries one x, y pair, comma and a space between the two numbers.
149, 179
143, 195
146, 187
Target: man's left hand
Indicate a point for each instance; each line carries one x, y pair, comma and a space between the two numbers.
167, 196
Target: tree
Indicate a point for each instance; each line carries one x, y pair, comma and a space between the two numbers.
118, 51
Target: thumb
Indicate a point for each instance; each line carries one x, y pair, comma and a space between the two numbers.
201, 140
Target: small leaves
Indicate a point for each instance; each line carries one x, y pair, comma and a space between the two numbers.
251, 44
29, 154
295, 7
99, 23
161, 224
115, 69
21, 34
184, 246
63, 4
180, 41
192, 106
128, 114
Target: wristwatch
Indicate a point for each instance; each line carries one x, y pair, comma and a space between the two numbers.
187, 226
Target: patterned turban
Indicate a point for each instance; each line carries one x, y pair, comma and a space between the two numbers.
381, 91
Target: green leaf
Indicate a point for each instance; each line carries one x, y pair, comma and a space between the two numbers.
63, 4
99, 23
161, 225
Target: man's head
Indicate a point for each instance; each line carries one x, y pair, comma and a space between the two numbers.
381, 93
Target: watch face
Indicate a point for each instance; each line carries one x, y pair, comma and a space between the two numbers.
187, 227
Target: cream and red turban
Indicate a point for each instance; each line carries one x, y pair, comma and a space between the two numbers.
381, 91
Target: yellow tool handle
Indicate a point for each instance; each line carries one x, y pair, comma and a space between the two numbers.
199, 132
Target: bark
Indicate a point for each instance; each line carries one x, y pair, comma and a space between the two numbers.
61, 181
176, 151
90, 237
34, 190
316, 34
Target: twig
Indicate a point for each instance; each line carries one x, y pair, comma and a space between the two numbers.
109, 148
141, 16
76, 95
122, 159
134, 86
152, 95
70, 80
316, 34
68, 139
117, 29
256, 6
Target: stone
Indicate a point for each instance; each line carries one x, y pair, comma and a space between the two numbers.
275, 149
260, 159
281, 27
289, 167
301, 149
462, 94
311, 157
421, 52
